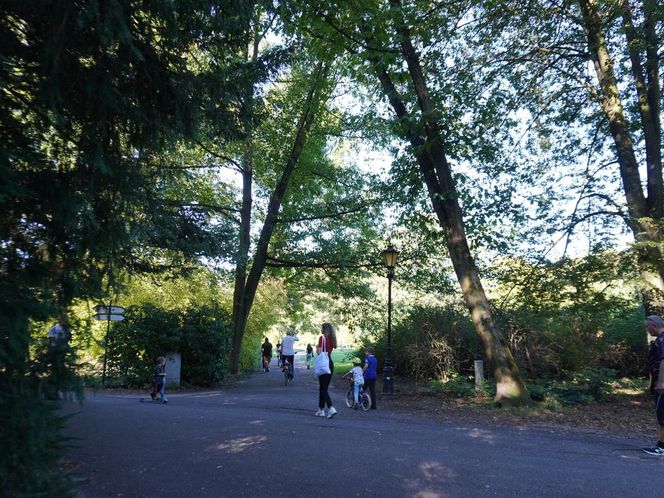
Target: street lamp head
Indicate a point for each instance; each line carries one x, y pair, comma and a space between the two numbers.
390, 257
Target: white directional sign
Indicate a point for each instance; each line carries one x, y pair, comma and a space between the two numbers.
113, 310
109, 317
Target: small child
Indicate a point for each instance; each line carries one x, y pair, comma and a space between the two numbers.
358, 380
280, 360
159, 381
310, 355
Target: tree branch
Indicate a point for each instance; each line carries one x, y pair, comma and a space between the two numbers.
282, 263
321, 217
236, 165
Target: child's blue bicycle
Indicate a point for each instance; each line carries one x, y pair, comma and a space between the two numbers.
364, 399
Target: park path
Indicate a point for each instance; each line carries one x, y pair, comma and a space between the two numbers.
259, 438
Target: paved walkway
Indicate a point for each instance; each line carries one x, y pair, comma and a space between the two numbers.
261, 439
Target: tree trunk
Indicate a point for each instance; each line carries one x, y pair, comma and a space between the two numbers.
245, 290
645, 213
242, 257
238, 319
432, 161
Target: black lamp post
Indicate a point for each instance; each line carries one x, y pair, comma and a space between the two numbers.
390, 261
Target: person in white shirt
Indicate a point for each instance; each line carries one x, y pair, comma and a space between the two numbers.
358, 380
288, 350
59, 335
58, 352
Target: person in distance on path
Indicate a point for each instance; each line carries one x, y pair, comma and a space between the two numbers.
279, 359
158, 391
266, 348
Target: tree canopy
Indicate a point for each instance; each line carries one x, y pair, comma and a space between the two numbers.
267, 151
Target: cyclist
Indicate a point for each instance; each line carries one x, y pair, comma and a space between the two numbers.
288, 351
357, 375
266, 348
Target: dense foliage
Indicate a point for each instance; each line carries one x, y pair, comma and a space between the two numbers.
201, 335
93, 95
205, 165
560, 317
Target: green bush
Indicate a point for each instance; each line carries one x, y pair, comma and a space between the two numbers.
590, 384
30, 423
200, 334
30, 431
205, 344
250, 355
433, 343
572, 314
539, 391
627, 346
457, 386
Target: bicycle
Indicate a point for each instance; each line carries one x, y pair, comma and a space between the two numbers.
288, 372
364, 399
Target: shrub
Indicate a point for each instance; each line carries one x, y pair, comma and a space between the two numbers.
456, 386
30, 424
627, 345
200, 334
434, 343
546, 342
30, 431
539, 391
590, 384
206, 338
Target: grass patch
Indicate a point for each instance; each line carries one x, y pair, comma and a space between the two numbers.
343, 361
573, 388
626, 409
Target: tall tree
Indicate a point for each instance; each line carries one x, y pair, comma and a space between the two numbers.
247, 281
379, 34
92, 93
607, 120
642, 43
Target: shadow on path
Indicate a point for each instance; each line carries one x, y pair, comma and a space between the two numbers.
261, 438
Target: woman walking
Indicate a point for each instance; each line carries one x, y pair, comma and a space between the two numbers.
326, 343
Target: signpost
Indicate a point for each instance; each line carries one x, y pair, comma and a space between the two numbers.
108, 310
109, 313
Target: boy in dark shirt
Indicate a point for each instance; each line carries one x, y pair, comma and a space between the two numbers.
655, 328
370, 374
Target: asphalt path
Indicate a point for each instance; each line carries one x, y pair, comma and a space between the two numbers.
260, 438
